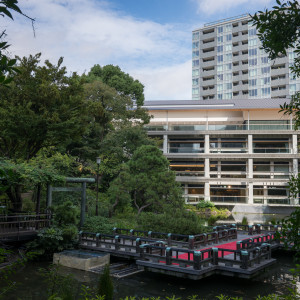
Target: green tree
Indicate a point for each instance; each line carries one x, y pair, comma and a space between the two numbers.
146, 178
43, 108
7, 64
278, 30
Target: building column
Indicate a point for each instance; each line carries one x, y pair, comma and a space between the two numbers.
250, 143
265, 194
206, 143
165, 144
206, 168
250, 193
206, 192
295, 167
250, 167
294, 144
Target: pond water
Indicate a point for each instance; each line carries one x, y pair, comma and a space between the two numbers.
275, 280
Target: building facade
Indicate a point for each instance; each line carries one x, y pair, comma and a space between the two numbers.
233, 152
229, 64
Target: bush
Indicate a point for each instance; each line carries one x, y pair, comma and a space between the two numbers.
177, 221
106, 287
205, 204
98, 224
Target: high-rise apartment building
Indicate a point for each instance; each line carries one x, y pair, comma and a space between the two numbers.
229, 64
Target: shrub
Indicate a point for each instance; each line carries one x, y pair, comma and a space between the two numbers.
106, 287
98, 224
244, 220
205, 204
177, 221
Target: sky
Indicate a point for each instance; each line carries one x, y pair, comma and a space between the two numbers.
149, 39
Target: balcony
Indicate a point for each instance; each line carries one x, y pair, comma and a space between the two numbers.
229, 199
228, 150
271, 200
193, 199
185, 149
271, 150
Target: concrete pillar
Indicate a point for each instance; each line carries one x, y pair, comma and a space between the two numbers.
206, 192
206, 143
250, 143
219, 169
250, 167
250, 193
295, 167
294, 144
49, 195
206, 168
165, 144
265, 194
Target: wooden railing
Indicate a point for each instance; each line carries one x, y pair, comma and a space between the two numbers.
16, 225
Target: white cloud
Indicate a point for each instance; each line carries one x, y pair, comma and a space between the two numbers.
89, 32
217, 6
167, 83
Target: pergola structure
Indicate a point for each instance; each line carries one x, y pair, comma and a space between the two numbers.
81, 189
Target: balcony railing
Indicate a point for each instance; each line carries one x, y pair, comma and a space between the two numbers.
220, 127
190, 173
190, 199
185, 150
229, 199
228, 150
271, 200
271, 150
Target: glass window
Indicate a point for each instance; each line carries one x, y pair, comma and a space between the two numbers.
195, 45
252, 52
220, 58
220, 87
265, 80
195, 53
228, 76
220, 29
195, 35
252, 31
252, 42
220, 77
220, 96
292, 55
252, 72
195, 81
228, 56
228, 86
228, 96
228, 37
228, 47
252, 82
195, 91
228, 67
228, 27
264, 60
220, 49
220, 68
195, 63
195, 72
220, 39
253, 93
253, 62
266, 91
265, 70
293, 88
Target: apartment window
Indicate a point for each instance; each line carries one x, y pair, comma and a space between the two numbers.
220, 39
252, 32
228, 47
228, 37
220, 87
252, 42
220, 96
228, 27
265, 92
252, 72
196, 63
252, 62
252, 52
195, 81
265, 80
252, 82
220, 68
195, 53
264, 60
220, 58
220, 77
220, 49
195, 35
228, 67
265, 70
228, 96
228, 86
228, 57
228, 76
195, 91
253, 93
292, 55
220, 29
195, 45
195, 72
233, 166
292, 88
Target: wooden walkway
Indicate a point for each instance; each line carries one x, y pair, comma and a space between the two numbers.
22, 227
228, 250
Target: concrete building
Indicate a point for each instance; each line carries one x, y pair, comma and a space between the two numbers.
229, 64
231, 152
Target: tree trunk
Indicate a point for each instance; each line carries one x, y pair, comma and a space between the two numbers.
14, 195
38, 199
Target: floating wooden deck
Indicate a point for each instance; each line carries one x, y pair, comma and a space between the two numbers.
228, 250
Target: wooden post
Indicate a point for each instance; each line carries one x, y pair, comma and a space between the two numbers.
197, 260
191, 242
97, 240
117, 242
168, 256
83, 203
137, 245
49, 195
169, 239
215, 256
244, 259
250, 232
